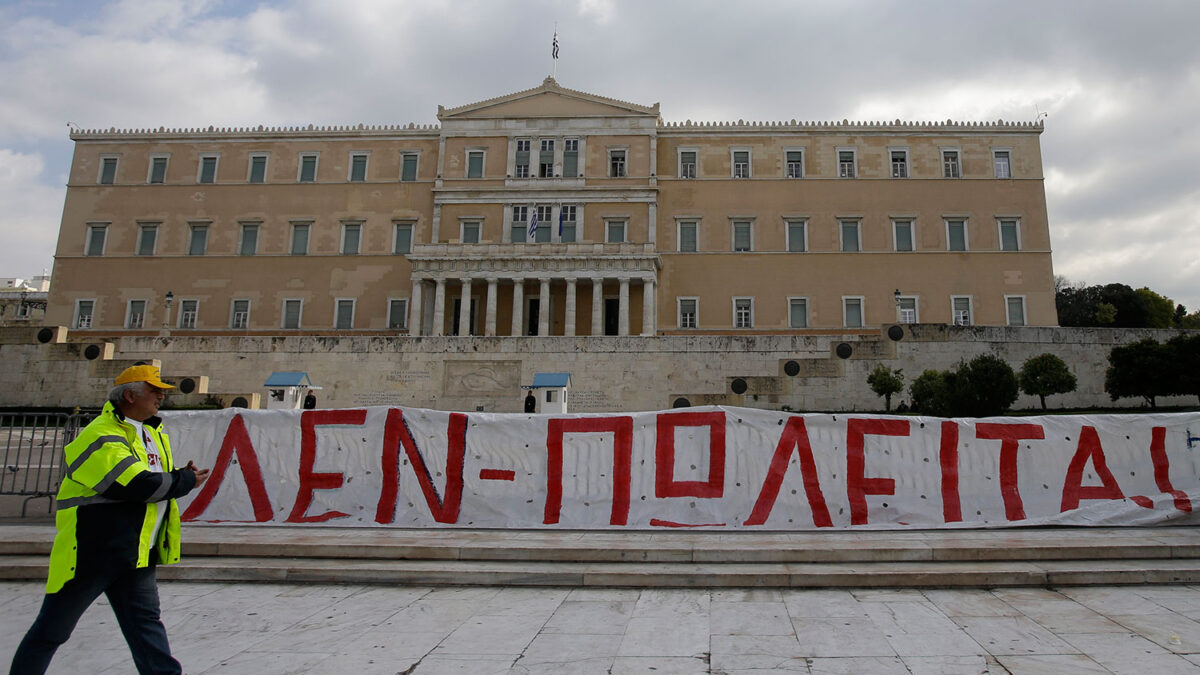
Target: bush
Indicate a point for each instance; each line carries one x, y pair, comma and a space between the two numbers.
985, 386
1143, 368
1045, 375
884, 382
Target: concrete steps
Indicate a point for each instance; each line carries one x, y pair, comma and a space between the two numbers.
928, 558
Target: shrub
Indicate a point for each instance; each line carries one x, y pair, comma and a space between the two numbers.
1045, 375
884, 382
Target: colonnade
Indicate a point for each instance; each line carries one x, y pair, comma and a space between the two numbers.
443, 295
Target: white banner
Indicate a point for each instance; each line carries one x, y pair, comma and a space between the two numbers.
708, 467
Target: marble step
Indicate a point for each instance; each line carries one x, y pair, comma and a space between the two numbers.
580, 574
1016, 545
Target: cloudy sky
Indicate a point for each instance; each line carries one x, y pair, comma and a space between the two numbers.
1120, 82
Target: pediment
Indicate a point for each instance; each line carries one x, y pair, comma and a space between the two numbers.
548, 100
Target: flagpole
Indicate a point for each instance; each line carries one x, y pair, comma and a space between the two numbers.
554, 54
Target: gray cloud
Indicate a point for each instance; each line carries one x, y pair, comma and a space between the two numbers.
1120, 81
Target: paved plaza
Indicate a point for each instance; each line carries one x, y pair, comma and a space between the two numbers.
267, 629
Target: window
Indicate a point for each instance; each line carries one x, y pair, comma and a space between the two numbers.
95, 239
1000, 160
475, 163
198, 241
308, 167
1014, 307
687, 163
741, 163
258, 168
408, 166
1010, 235
84, 310
351, 238
899, 163
239, 314
566, 223
158, 169
249, 244
688, 312
688, 236
798, 312
292, 309
846, 162
147, 237
570, 158
188, 310
902, 234
300, 232
520, 224
522, 158
950, 167
344, 314
850, 236
402, 238
797, 236
545, 216
742, 235
852, 312
470, 232
546, 159
397, 314
614, 231
358, 167
743, 313
960, 309
108, 170
906, 309
616, 163
135, 316
793, 163
956, 235
208, 169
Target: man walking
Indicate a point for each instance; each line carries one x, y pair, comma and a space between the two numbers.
116, 518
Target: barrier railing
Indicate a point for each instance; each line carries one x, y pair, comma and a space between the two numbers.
31, 445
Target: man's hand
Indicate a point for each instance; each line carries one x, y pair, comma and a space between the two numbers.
201, 474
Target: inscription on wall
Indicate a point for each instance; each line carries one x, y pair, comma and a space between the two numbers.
581, 400
482, 378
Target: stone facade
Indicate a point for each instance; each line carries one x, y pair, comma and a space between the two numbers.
554, 212
608, 374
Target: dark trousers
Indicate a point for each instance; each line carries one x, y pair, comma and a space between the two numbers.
133, 594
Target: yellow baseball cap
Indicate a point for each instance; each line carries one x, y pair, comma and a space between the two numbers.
148, 374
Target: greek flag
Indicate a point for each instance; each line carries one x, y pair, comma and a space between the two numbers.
554, 52
533, 224
561, 213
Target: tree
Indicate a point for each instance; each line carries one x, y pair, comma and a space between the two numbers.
929, 394
1143, 368
1185, 357
1159, 310
987, 386
884, 382
1045, 375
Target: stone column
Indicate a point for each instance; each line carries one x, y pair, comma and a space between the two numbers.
597, 306
623, 312
544, 308
518, 306
464, 308
649, 298
439, 308
414, 308
569, 314
489, 328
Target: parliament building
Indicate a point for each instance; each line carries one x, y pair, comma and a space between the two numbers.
554, 212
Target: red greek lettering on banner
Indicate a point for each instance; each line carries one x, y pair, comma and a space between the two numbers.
397, 435
795, 435
311, 481
235, 443
622, 430
1010, 436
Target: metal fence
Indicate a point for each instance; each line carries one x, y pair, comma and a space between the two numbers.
33, 451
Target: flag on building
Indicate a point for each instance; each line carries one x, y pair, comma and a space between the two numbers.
554, 52
561, 212
533, 224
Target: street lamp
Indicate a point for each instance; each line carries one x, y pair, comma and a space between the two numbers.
896, 297
171, 298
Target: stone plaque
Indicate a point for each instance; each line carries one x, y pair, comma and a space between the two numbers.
482, 378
